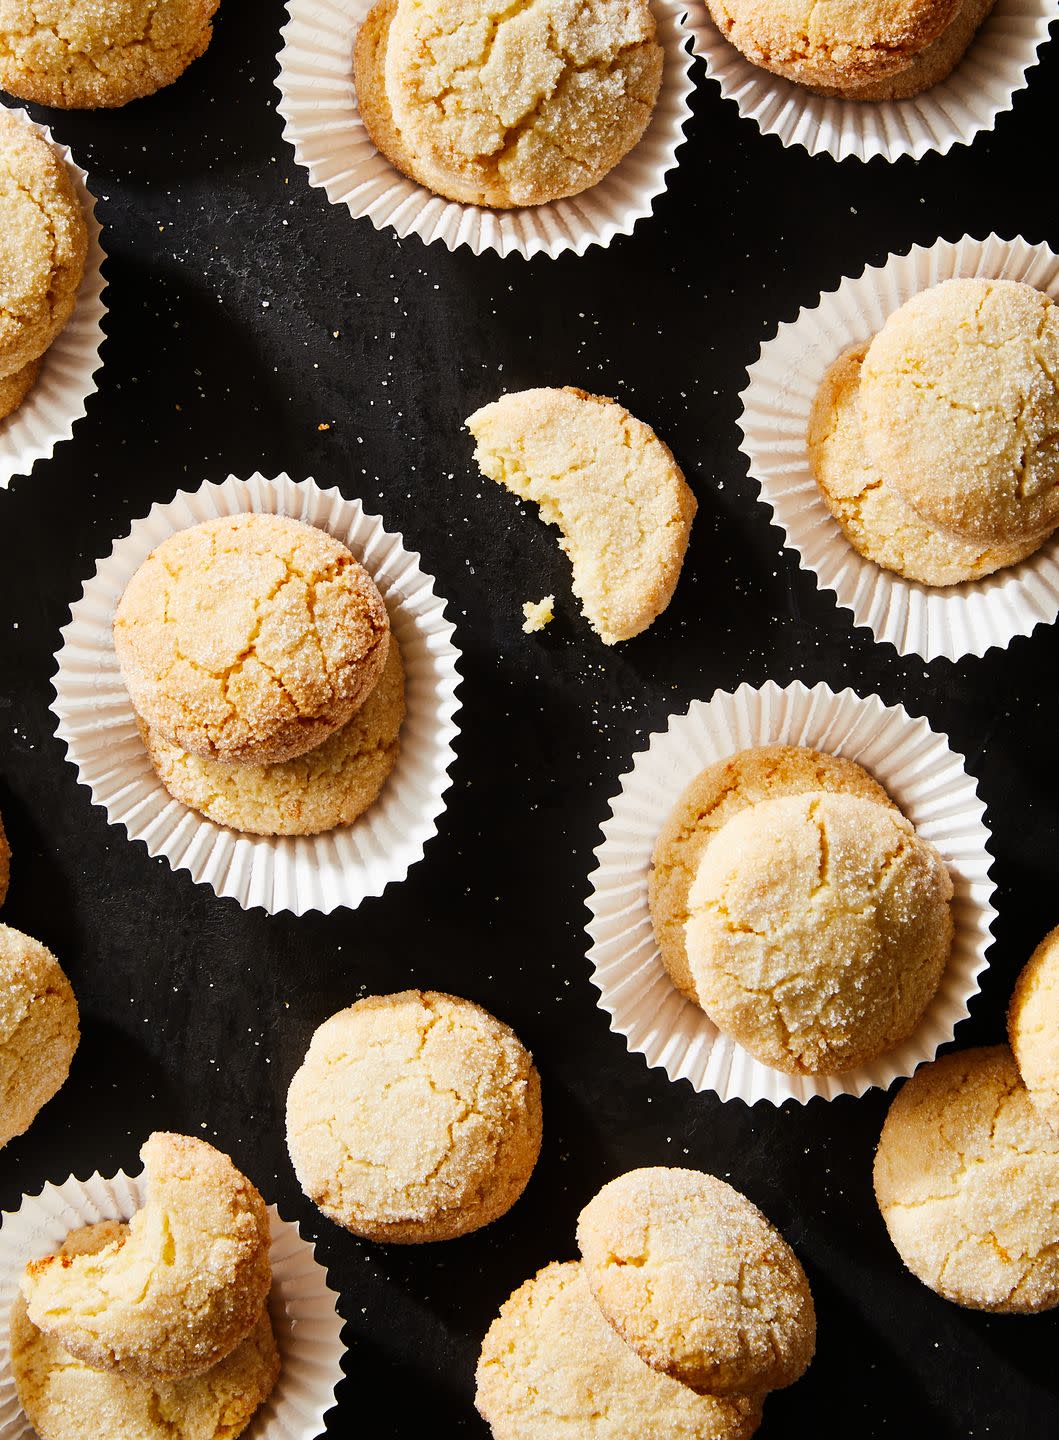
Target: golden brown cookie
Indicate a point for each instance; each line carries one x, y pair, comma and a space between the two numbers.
414, 1117
39, 1030
1033, 1027
250, 639
696, 1280
14, 388
369, 79
930, 67
966, 1176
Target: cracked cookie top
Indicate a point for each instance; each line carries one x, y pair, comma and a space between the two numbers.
39, 1030
250, 639
1033, 1027
414, 1117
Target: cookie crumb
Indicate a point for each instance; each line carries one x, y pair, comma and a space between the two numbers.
538, 613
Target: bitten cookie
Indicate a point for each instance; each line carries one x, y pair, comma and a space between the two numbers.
39, 1030
177, 1291
609, 484
414, 1117
960, 405
709, 802
43, 245
551, 1368
250, 639
819, 927
966, 1176
89, 54
64, 1399
930, 67
696, 1280
329, 786
1033, 1027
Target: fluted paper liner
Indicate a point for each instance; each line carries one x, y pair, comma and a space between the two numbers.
982, 87
304, 1314
921, 773
67, 377
297, 873
321, 121
959, 620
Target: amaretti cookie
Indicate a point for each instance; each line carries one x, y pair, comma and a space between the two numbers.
1033, 1027
966, 1176
39, 1030
14, 388
611, 486
414, 1117
930, 66
89, 54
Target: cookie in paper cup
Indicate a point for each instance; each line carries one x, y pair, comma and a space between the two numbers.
949, 623
982, 87
303, 1308
927, 780
57, 398
297, 873
321, 121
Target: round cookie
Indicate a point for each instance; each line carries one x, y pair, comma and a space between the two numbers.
1033, 1027
696, 1280
5, 863
43, 245
92, 54
960, 408
38, 1029
611, 486
930, 67
250, 639
369, 80
502, 107
551, 1368
819, 927
875, 517
329, 786
64, 1399
14, 388
966, 1176
709, 802
414, 1117
184, 1284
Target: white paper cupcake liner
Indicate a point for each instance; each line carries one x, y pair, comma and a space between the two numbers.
296, 873
67, 377
321, 121
922, 775
304, 1313
949, 623
981, 88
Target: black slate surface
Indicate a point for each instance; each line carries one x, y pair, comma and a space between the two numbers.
228, 276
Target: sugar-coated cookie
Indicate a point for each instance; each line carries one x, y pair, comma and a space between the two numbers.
551, 1368
5, 862
250, 639
369, 79
709, 802
1033, 1027
819, 927
930, 67
90, 54
14, 388
43, 245
610, 485
177, 1291
960, 406
696, 1280
38, 1028
414, 1117
328, 786
966, 1176
64, 1399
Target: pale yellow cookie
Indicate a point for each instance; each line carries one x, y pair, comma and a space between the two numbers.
551, 1368
930, 67
250, 639
960, 406
5, 863
609, 484
64, 1399
507, 107
14, 388
414, 1117
875, 517
819, 927
709, 802
88, 54
326, 787
43, 245
177, 1291
696, 1280
38, 1027
1033, 1027
966, 1176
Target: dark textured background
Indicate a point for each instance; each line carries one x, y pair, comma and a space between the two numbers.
195, 1013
